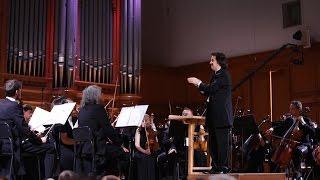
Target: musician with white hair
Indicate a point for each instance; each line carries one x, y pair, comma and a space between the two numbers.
108, 142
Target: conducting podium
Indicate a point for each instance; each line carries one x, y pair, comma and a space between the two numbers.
191, 121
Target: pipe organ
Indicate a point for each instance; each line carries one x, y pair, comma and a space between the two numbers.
130, 65
96, 41
26, 42
68, 41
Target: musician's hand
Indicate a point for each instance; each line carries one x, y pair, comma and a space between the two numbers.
38, 134
125, 149
193, 80
147, 151
44, 139
300, 118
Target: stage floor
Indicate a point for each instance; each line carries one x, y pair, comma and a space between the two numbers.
240, 176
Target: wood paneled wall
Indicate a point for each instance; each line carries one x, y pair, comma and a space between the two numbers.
289, 82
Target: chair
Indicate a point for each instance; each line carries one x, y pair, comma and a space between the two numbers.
82, 136
5, 134
38, 159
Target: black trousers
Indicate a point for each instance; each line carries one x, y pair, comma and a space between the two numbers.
219, 144
47, 151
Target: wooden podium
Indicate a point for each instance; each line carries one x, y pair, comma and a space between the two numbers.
192, 121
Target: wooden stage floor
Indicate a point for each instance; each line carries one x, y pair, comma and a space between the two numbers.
236, 176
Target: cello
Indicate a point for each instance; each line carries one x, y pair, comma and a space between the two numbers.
283, 154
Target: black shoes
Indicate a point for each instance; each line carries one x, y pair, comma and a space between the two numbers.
222, 170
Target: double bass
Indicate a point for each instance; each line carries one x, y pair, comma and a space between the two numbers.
283, 154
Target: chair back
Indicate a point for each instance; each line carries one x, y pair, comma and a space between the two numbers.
5, 131
82, 134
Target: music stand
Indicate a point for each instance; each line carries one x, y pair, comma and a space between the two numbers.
130, 118
244, 126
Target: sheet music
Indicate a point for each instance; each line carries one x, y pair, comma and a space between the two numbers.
131, 116
38, 118
58, 115
124, 116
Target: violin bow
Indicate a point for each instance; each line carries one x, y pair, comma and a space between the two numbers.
114, 97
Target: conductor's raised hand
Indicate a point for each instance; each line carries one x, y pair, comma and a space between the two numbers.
193, 80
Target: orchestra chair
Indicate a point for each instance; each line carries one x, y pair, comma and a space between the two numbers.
54, 138
82, 136
37, 157
6, 136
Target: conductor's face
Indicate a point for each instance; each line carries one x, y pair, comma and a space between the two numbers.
213, 63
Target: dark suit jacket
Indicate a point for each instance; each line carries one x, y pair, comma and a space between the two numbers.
219, 107
308, 131
95, 117
12, 113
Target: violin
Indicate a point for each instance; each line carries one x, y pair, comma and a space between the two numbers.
201, 143
151, 135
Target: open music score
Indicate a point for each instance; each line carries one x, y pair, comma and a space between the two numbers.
59, 114
131, 116
191, 121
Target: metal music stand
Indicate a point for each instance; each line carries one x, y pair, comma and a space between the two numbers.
129, 119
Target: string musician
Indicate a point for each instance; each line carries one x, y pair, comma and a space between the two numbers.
108, 142
24, 140
147, 149
296, 132
64, 135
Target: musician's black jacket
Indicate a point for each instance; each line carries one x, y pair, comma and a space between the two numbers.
219, 107
96, 117
308, 130
12, 113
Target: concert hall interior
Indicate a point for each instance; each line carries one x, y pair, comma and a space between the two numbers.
159, 89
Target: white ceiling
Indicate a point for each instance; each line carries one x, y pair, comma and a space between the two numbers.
181, 32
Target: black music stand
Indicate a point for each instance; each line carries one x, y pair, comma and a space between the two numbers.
129, 119
243, 127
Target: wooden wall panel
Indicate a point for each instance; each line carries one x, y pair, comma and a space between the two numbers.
280, 89
290, 82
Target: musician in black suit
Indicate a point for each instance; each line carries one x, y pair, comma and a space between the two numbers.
296, 125
108, 142
219, 117
11, 112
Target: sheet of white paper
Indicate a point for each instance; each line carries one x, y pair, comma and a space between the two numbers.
38, 118
59, 113
124, 116
40, 129
131, 116
137, 115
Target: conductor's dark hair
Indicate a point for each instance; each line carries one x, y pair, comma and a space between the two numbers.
11, 86
221, 59
297, 104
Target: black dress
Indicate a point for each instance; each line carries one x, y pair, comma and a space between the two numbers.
145, 164
66, 151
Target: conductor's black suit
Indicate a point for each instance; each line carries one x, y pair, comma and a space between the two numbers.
219, 117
